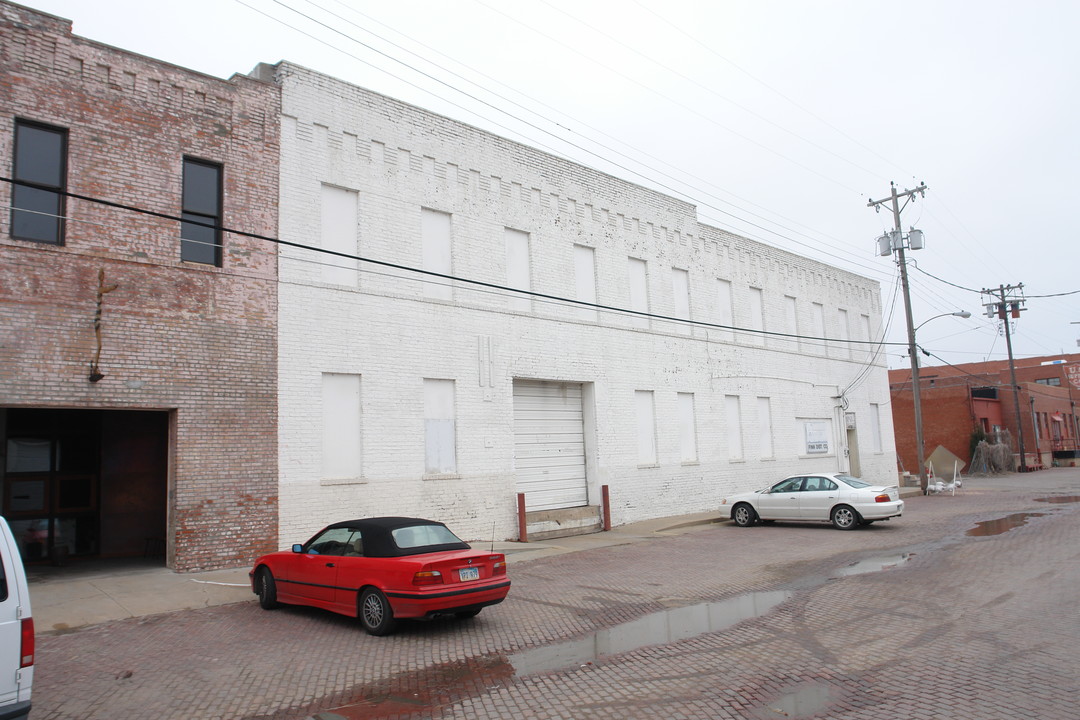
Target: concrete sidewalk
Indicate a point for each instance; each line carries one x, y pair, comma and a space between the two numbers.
65, 598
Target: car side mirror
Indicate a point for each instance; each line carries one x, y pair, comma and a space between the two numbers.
298, 548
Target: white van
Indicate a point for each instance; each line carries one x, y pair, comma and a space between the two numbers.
16, 631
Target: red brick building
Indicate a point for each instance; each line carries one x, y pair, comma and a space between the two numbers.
959, 400
138, 393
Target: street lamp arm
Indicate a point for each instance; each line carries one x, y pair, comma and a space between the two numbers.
960, 314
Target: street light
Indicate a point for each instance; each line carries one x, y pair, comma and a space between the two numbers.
960, 314
920, 448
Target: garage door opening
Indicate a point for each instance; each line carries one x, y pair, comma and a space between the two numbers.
85, 483
549, 444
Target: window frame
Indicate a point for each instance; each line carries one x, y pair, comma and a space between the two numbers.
216, 221
60, 190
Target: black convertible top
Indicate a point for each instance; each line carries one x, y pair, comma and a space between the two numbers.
377, 534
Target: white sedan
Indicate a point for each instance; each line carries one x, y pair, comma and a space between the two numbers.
845, 501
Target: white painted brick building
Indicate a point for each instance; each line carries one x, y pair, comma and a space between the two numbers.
409, 394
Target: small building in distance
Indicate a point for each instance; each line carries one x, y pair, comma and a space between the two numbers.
962, 403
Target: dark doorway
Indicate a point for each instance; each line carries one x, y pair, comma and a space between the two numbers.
85, 483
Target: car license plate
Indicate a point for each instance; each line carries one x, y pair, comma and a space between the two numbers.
469, 574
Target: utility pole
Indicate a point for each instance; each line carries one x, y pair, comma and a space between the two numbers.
894, 242
1004, 307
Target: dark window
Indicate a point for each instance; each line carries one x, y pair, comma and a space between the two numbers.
37, 209
788, 486
200, 233
1056, 382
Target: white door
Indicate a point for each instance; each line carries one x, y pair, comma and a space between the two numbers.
782, 500
818, 497
549, 444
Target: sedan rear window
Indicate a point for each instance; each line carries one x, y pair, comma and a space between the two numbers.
415, 536
852, 481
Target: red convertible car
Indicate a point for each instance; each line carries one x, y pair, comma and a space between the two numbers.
382, 570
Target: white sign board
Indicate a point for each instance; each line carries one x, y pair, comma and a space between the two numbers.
1074, 372
817, 437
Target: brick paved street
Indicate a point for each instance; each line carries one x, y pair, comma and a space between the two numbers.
964, 626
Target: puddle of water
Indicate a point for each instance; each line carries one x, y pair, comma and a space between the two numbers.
874, 564
423, 690
804, 702
655, 629
1059, 499
1002, 525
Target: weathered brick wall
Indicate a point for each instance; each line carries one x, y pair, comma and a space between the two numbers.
948, 418
400, 159
195, 340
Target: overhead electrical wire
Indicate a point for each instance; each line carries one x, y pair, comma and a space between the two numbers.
705, 88
669, 188
569, 129
865, 371
684, 106
431, 273
915, 264
847, 259
764, 84
930, 297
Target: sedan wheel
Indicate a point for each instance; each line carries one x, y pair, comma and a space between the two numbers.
844, 518
743, 515
267, 589
375, 613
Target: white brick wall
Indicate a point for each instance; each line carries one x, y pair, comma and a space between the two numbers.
400, 159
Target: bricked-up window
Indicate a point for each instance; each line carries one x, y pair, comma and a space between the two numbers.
680, 291
342, 427
440, 441
37, 210
687, 428
765, 427
733, 416
436, 246
200, 233
646, 427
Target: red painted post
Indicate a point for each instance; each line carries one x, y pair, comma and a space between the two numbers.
606, 500
523, 532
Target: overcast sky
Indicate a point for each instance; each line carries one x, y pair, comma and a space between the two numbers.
780, 120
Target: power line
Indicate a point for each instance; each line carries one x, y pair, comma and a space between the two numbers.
915, 264
707, 89
443, 276
667, 187
766, 85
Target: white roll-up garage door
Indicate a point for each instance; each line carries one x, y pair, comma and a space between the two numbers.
549, 444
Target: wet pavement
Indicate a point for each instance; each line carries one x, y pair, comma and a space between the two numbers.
964, 608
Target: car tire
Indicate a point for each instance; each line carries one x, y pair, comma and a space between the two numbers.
264, 582
744, 515
376, 616
844, 517
466, 614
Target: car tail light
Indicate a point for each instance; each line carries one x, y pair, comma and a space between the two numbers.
499, 568
26, 654
883, 497
427, 577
